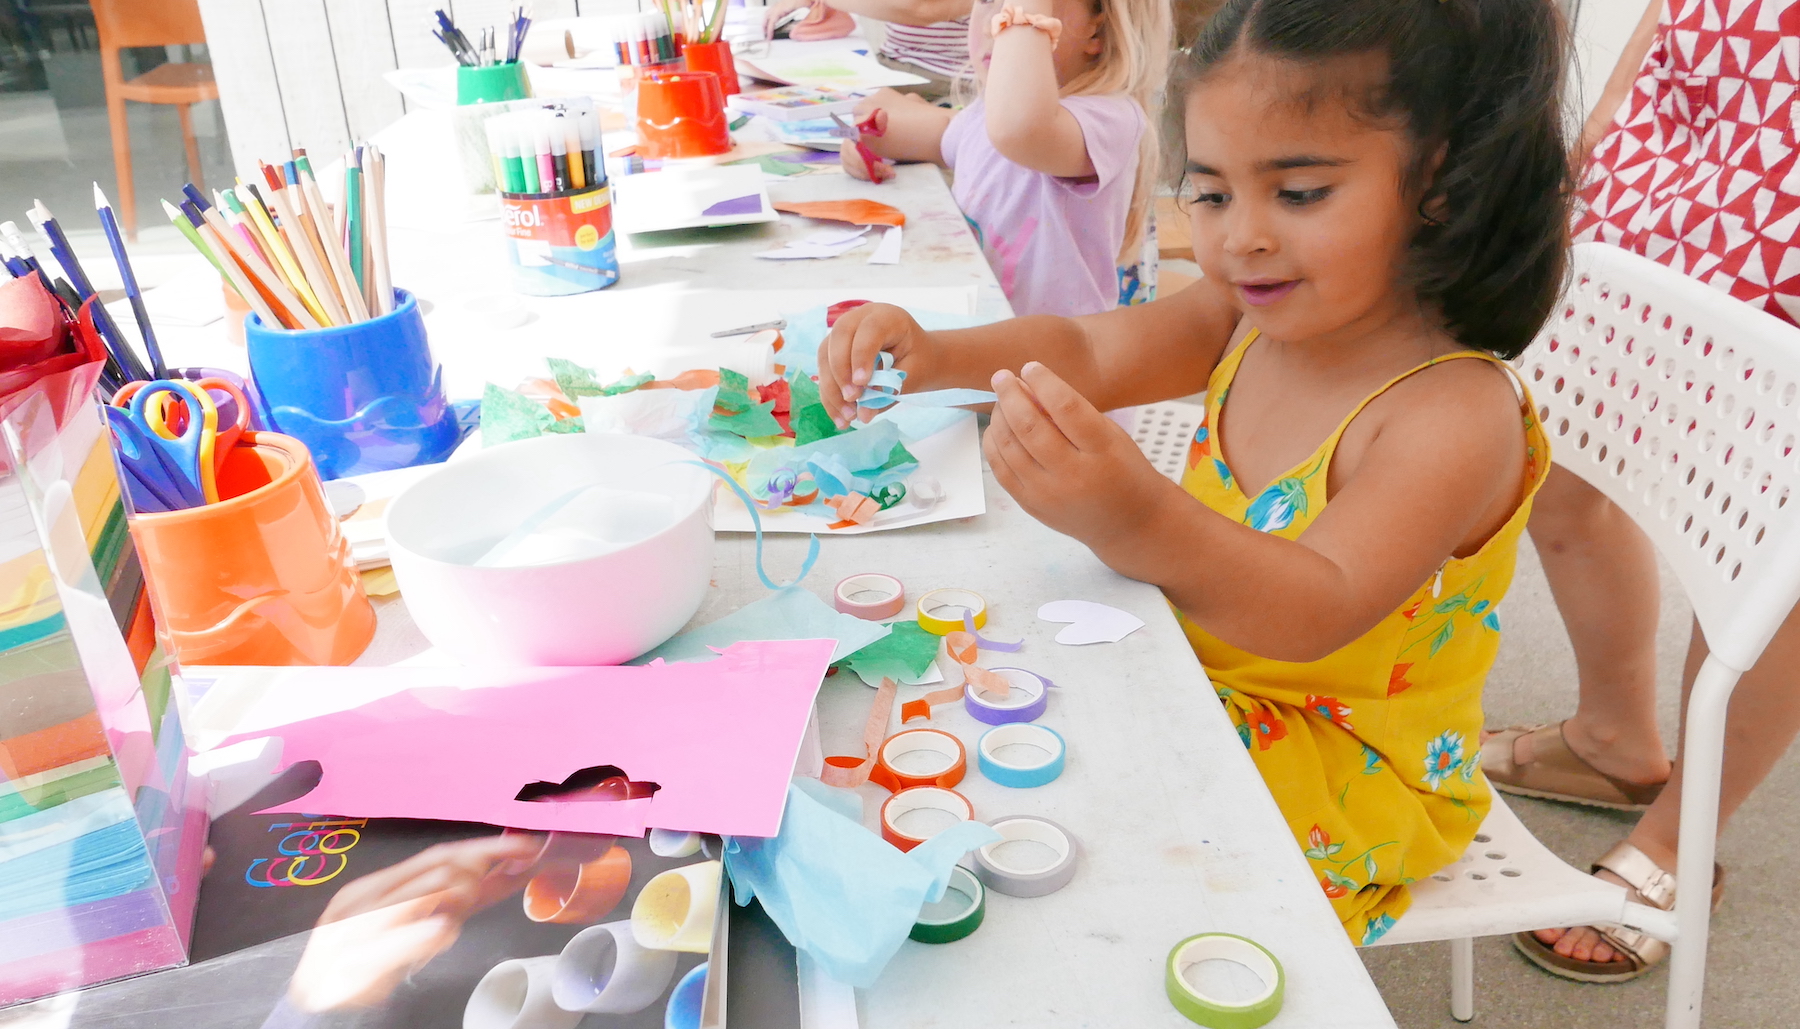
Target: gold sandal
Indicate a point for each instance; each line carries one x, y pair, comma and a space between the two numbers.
1556, 772
1650, 885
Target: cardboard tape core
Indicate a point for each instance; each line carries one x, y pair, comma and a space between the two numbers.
940, 611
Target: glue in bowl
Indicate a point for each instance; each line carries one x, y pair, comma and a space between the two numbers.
578, 549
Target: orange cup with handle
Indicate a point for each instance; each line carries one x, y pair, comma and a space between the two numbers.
263, 576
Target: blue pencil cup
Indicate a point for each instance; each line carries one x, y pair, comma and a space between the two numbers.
363, 398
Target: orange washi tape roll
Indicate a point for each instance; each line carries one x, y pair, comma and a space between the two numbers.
919, 757
912, 816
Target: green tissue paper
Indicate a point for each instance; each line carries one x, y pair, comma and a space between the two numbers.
906, 652
507, 415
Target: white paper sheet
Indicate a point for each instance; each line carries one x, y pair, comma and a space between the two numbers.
888, 250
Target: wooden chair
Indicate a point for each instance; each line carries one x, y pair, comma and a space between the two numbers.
134, 23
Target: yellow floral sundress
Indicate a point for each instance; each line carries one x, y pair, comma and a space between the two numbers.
1371, 752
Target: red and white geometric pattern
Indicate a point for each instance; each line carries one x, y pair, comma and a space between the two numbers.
1699, 170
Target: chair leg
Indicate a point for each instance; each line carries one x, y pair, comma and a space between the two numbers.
186, 113
1702, 761
121, 143
1462, 979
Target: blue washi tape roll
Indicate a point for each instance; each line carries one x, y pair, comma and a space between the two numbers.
1021, 770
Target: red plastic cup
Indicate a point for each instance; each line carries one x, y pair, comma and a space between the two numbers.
681, 114
716, 58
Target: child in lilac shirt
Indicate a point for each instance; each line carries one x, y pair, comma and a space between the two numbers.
1054, 162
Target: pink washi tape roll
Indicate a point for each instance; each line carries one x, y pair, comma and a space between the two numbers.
870, 595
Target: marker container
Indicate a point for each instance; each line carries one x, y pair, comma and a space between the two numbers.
364, 397
489, 83
560, 243
264, 576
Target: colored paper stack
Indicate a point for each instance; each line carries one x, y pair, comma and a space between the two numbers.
101, 830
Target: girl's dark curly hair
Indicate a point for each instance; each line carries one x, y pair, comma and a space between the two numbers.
1480, 80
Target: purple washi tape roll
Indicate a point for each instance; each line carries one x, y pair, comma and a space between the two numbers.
1030, 695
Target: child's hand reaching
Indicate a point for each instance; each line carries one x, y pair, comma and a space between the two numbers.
848, 355
1071, 467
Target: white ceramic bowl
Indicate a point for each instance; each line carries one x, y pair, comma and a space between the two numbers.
596, 610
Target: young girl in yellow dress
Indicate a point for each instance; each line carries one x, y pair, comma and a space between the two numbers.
1377, 192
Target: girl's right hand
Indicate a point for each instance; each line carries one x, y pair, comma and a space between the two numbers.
849, 352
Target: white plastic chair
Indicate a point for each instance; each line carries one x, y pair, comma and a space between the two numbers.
1679, 404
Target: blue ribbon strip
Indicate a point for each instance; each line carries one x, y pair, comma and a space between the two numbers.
812, 551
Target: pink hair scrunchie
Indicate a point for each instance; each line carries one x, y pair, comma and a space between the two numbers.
1010, 16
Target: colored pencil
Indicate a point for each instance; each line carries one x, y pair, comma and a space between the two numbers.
110, 226
71, 265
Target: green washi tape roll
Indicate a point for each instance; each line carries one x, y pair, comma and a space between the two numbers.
957, 915
1217, 1014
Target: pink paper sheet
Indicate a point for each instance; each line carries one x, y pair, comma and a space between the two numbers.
720, 737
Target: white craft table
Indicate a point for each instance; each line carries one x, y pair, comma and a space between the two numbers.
1179, 834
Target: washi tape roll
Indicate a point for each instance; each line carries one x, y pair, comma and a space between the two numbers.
1021, 755
604, 969
1029, 697
516, 995
957, 915
687, 1000
674, 911
870, 595
1212, 1012
568, 893
940, 612
919, 757
906, 803
1004, 866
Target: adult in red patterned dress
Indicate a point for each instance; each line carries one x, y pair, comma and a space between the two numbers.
1690, 160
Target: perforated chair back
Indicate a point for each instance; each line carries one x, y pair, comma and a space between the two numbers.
1682, 405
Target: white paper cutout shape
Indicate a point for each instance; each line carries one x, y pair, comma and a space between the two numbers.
1089, 622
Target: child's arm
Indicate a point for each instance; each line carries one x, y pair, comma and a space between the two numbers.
1129, 355
1026, 120
1441, 475
906, 127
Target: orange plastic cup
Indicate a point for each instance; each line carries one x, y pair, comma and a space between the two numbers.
681, 114
264, 576
716, 58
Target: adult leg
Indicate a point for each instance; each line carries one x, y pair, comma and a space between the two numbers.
1763, 720
1602, 572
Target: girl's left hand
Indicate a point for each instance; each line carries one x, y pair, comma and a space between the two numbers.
1071, 467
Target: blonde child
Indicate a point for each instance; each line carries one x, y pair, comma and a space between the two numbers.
1377, 192
1055, 160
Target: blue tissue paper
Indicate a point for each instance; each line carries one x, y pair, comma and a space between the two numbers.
838, 891
793, 613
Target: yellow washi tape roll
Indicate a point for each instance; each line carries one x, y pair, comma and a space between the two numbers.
941, 611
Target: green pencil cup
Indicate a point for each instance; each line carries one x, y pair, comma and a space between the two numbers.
492, 82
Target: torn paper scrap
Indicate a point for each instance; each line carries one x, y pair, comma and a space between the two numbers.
1089, 622
888, 250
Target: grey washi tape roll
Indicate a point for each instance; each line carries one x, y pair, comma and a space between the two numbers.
1003, 871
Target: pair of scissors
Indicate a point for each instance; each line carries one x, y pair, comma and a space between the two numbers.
168, 405
154, 485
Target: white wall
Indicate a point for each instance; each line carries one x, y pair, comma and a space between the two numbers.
307, 73
1602, 28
